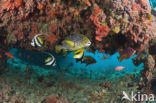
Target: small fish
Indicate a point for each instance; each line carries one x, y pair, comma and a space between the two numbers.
126, 53
9, 55
50, 60
37, 41
119, 68
87, 60
73, 43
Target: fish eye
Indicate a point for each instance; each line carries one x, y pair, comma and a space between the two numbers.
89, 43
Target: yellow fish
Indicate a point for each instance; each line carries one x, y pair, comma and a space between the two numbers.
50, 60
73, 43
37, 41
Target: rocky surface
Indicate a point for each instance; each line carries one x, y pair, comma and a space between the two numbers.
26, 87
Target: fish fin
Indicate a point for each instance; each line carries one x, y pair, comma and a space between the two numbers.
78, 51
80, 59
70, 43
57, 49
79, 55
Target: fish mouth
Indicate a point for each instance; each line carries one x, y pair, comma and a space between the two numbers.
88, 44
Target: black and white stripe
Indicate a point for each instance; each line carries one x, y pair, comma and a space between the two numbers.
36, 41
51, 61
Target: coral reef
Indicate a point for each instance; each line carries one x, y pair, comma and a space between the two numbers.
130, 19
119, 25
11, 4
98, 17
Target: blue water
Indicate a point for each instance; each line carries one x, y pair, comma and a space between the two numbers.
152, 3
104, 68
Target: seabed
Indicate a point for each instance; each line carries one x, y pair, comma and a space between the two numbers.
27, 83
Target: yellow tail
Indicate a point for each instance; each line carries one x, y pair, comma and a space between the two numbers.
78, 54
57, 49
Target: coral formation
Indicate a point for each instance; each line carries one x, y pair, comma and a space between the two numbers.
134, 20
98, 17
122, 24
11, 4
51, 39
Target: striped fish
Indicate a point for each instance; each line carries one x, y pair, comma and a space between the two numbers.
37, 41
50, 60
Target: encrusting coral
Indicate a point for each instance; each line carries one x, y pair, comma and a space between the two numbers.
11, 4
61, 21
98, 18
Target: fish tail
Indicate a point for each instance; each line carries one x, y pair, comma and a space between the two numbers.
57, 48
79, 54
80, 59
